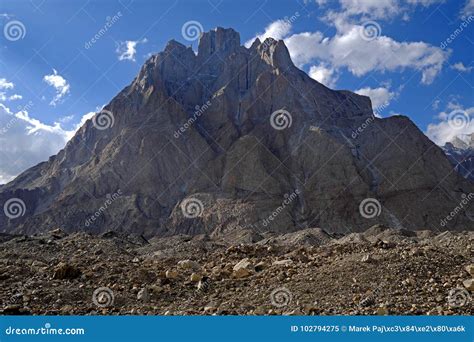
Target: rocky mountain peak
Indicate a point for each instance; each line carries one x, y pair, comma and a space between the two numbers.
275, 53
460, 152
236, 133
219, 41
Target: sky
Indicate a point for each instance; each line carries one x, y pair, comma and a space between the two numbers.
62, 61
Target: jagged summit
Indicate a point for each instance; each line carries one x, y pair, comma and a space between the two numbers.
460, 152
219, 41
236, 132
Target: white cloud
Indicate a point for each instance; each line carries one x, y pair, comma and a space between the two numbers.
468, 8
425, 3
59, 84
457, 121
324, 74
128, 49
15, 97
4, 84
26, 141
276, 30
348, 49
4, 97
380, 97
374, 8
461, 67
381, 9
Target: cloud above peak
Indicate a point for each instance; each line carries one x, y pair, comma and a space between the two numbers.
380, 96
128, 49
60, 84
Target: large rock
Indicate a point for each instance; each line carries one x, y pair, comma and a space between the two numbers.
192, 150
243, 268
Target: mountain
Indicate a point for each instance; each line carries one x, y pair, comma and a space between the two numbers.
233, 139
460, 152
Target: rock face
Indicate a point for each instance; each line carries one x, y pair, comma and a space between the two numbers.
460, 152
236, 138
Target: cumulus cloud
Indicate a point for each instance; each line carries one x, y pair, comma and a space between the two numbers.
425, 3
455, 121
461, 67
324, 74
380, 96
374, 8
26, 141
4, 84
128, 49
4, 97
348, 49
60, 84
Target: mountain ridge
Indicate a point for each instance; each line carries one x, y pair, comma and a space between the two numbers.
460, 152
232, 159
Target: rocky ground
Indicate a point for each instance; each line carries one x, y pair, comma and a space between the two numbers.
380, 271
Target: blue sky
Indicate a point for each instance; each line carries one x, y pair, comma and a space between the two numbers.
53, 76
